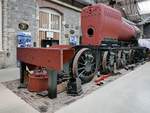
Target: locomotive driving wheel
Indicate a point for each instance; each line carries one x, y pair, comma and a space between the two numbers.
84, 65
131, 56
108, 62
119, 58
124, 58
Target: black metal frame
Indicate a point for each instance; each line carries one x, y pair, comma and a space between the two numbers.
97, 50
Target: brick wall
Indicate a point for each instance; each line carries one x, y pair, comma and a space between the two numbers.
70, 19
16, 11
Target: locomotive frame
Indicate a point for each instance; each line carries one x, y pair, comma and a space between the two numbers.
107, 59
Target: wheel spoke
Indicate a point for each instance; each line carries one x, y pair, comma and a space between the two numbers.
81, 68
93, 64
81, 63
82, 59
81, 73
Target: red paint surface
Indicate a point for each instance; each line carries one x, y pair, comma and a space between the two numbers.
102, 77
51, 58
37, 83
107, 22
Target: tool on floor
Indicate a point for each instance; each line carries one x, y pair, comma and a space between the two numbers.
99, 80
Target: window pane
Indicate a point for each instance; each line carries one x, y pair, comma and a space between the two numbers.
41, 36
44, 20
56, 36
55, 22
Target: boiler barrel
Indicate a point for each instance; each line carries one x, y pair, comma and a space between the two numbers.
127, 32
99, 22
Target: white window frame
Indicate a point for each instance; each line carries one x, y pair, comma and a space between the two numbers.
50, 11
1, 26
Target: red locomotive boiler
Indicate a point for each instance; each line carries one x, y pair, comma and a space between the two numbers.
100, 21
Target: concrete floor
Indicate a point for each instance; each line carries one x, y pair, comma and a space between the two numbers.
128, 94
9, 74
9, 102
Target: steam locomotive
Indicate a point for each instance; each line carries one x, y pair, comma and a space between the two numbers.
108, 43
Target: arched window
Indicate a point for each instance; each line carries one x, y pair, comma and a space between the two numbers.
49, 24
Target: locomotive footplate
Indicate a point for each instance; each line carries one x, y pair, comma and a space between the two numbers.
53, 59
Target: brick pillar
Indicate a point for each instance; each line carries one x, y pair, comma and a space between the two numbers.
0, 25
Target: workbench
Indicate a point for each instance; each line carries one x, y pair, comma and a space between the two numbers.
53, 59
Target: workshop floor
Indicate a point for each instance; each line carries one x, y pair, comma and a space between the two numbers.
32, 103
10, 102
128, 94
9, 74
49, 105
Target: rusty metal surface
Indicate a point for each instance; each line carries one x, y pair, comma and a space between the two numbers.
51, 58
